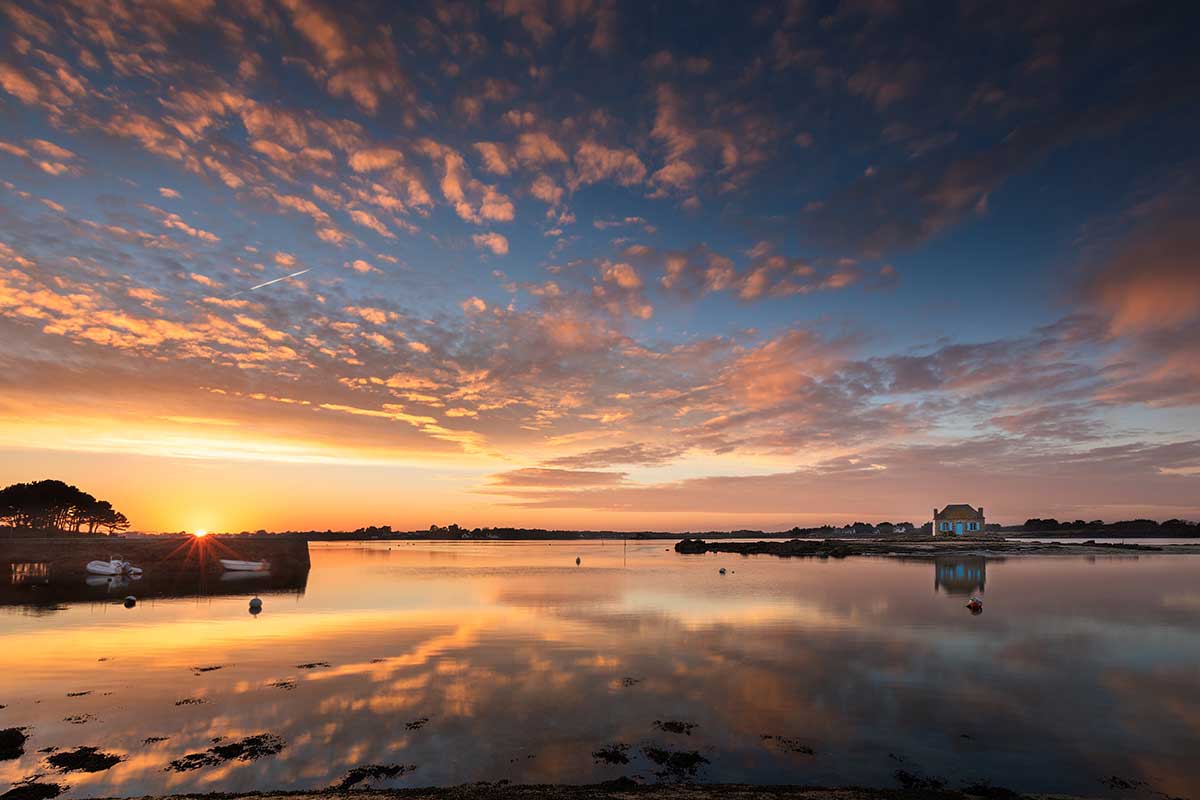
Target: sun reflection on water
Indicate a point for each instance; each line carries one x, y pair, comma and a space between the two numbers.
522, 665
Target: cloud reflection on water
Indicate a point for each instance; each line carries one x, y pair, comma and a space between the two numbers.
1079, 670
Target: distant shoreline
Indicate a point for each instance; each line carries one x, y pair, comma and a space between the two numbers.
538, 535
926, 548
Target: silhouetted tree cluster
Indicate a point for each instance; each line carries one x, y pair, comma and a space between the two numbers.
1174, 527
1035, 524
54, 505
823, 531
378, 531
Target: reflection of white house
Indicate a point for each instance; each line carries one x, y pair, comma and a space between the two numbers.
957, 519
960, 575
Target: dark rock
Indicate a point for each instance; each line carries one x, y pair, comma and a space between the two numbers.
788, 745
251, 748
678, 765
83, 759
1115, 782
612, 754
416, 724
313, 665
372, 772
12, 743
675, 726
33, 790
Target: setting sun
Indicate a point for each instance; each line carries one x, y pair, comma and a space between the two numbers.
201, 532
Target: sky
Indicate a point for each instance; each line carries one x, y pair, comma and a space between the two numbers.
292, 264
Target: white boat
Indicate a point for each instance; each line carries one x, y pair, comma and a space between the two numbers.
114, 566
245, 566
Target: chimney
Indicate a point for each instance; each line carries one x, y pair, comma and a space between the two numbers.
981, 511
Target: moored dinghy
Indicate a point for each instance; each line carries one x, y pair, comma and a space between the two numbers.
114, 566
245, 566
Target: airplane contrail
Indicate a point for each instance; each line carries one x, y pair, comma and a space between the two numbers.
274, 280
277, 280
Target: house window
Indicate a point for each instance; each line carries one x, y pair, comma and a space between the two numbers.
972, 526
945, 526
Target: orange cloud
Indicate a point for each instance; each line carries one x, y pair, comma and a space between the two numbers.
491, 241
595, 163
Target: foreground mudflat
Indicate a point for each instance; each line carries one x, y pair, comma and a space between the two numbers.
622, 789
925, 548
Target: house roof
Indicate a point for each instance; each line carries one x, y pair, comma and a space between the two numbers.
958, 511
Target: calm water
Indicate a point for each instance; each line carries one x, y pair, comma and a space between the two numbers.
524, 664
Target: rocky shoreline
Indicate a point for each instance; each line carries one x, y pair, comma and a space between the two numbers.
924, 548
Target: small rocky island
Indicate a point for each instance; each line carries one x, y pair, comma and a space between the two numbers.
921, 547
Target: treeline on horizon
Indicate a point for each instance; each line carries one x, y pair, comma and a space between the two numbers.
1142, 527
57, 507
1171, 527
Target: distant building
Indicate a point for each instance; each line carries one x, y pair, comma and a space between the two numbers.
957, 519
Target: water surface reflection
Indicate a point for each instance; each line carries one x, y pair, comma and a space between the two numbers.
524, 664
965, 575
